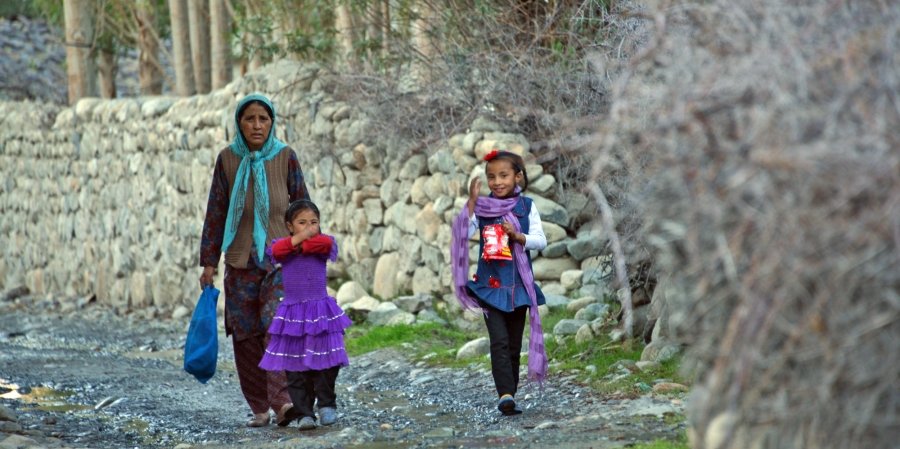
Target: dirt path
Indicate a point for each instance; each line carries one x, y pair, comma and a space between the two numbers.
91, 379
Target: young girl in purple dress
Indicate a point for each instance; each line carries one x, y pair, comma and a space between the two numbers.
306, 337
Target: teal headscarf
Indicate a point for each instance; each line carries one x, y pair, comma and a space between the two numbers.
251, 162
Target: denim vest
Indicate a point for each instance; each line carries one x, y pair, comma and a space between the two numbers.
510, 293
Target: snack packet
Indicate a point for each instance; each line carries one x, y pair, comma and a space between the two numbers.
496, 243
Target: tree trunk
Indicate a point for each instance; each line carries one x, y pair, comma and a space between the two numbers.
424, 42
344, 27
254, 39
150, 76
80, 66
106, 71
386, 28
198, 14
181, 47
374, 31
220, 29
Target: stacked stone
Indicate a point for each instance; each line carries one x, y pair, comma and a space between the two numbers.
107, 198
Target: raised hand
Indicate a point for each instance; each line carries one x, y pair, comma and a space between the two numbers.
474, 190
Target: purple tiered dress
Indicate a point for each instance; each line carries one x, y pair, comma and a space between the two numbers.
307, 332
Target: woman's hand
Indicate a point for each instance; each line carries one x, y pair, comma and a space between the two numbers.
208, 276
474, 190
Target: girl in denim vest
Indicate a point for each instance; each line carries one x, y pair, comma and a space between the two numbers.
503, 287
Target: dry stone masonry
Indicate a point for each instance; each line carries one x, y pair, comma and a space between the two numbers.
107, 198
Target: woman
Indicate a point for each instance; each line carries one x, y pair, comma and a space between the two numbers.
255, 179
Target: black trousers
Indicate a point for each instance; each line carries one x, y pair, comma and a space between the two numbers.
505, 333
306, 387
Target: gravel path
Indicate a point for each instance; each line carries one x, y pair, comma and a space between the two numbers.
91, 379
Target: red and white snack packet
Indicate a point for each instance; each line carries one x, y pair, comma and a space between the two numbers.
496, 243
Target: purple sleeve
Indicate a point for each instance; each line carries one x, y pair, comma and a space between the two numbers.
332, 256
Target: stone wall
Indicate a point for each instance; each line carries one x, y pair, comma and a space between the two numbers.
107, 198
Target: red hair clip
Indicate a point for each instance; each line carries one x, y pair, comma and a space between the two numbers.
490, 156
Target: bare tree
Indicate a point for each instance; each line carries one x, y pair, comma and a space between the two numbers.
106, 72
344, 28
198, 14
423, 36
150, 75
181, 47
80, 66
220, 30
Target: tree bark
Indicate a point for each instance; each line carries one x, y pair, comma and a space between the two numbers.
80, 67
150, 76
423, 32
198, 14
181, 47
344, 27
220, 30
106, 72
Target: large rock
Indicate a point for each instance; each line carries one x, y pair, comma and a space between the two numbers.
553, 231
414, 303
571, 279
551, 211
555, 250
403, 216
551, 269
385, 280
581, 303
425, 281
350, 292
415, 166
514, 143
475, 348
592, 312
568, 327
387, 314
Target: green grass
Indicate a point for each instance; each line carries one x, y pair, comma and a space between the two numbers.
569, 357
435, 343
681, 443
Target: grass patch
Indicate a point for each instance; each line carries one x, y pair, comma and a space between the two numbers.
607, 366
613, 370
680, 443
435, 343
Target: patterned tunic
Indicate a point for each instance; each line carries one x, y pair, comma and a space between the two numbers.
252, 291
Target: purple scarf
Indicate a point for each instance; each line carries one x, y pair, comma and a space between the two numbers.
459, 257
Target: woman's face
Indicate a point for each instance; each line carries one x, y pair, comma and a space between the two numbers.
255, 125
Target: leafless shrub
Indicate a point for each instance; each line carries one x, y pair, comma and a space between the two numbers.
760, 144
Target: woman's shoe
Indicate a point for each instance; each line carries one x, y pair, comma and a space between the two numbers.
327, 416
285, 415
307, 423
259, 420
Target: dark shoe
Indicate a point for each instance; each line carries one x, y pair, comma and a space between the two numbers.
307, 423
507, 406
327, 416
287, 414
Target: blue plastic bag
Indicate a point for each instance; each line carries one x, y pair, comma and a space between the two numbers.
202, 345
